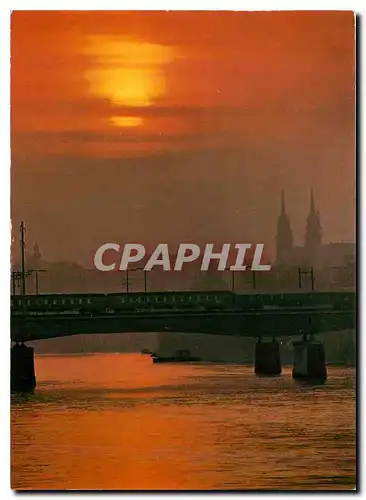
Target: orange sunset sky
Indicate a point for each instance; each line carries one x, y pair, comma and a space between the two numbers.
175, 126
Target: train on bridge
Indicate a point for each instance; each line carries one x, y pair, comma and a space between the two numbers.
96, 304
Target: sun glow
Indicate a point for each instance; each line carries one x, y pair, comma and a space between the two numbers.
126, 121
127, 73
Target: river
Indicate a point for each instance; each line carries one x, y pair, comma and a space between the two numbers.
118, 422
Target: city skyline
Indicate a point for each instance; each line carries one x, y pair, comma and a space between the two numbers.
272, 249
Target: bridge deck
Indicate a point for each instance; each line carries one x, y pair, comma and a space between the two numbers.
273, 322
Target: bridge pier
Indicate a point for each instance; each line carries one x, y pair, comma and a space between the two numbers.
22, 374
309, 360
267, 359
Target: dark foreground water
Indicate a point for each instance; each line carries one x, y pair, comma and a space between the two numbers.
115, 421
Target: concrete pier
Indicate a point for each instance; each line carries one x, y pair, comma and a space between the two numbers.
309, 360
267, 360
22, 374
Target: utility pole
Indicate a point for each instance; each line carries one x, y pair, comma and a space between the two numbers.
299, 274
37, 279
232, 283
312, 278
253, 280
22, 250
232, 278
17, 278
127, 282
13, 277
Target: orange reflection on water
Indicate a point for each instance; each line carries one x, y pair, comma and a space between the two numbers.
119, 422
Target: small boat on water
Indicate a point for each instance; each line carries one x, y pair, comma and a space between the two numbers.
180, 356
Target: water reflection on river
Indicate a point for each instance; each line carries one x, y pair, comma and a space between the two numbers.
115, 421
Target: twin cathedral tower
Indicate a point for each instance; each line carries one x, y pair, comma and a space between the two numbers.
311, 253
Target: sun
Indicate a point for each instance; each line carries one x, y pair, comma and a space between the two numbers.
126, 121
128, 73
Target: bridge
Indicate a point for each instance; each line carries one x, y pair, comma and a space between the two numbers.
305, 319
274, 322
224, 313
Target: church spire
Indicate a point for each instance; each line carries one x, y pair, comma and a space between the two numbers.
313, 236
284, 235
283, 205
312, 203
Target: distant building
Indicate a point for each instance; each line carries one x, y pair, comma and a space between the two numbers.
63, 277
313, 237
314, 253
284, 238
